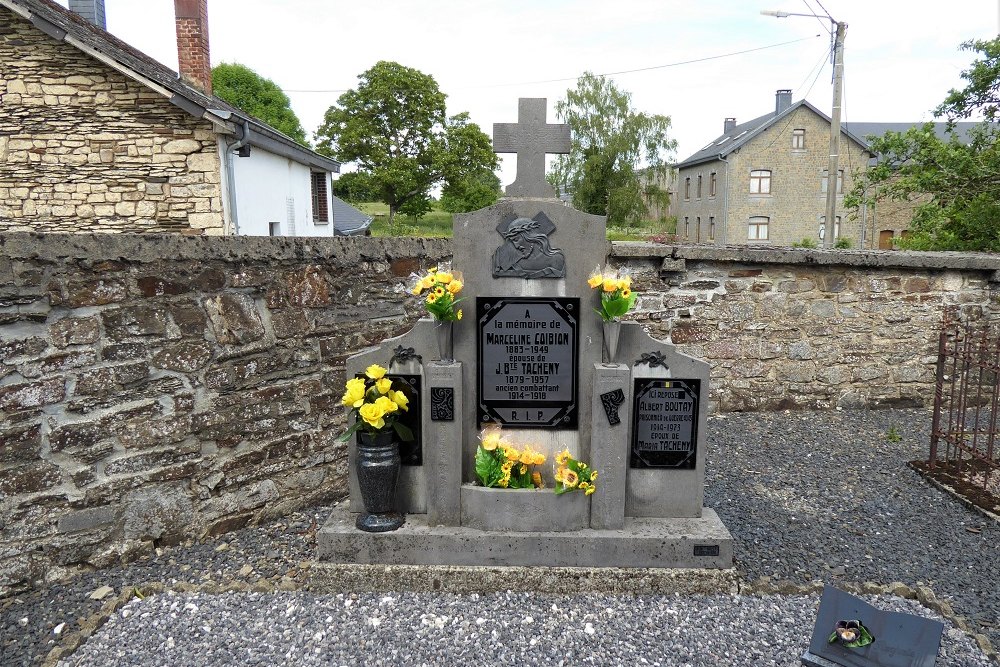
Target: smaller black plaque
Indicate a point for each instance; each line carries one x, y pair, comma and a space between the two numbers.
443, 404
706, 550
612, 400
665, 423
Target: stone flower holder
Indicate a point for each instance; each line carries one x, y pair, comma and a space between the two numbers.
524, 510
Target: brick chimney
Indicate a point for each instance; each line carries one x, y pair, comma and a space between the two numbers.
782, 100
191, 19
728, 125
92, 10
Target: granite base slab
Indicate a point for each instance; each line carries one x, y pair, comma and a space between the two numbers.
642, 543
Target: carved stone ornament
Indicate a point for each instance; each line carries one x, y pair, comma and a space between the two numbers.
654, 359
403, 354
442, 404
526, 251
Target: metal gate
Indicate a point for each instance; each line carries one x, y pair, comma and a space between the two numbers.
966, 395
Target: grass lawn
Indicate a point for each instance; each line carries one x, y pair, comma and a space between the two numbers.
437, 223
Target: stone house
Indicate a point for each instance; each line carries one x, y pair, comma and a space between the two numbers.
764, 181
97, 136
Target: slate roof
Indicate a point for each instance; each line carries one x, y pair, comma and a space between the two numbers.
64, 25
347, 220
743, 133
878, 129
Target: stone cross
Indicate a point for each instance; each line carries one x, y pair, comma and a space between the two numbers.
531, 138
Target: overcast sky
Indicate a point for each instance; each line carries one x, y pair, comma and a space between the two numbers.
901, 56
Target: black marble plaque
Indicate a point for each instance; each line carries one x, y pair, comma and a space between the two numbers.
410, 453
665, 423
612, 400
528, 351
901, 640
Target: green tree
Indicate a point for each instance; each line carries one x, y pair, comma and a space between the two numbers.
953, 182
261, 98
475, 191
394, 126
355, 187
618, 159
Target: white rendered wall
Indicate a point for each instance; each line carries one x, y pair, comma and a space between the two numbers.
265, 186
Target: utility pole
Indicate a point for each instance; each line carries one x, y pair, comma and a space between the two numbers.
832, 175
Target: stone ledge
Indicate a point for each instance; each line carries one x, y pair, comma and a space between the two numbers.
156, 248
702, 543
944, 261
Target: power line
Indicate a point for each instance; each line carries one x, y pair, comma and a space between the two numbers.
627, 71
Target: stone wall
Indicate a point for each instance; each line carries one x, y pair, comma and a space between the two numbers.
158, 387
83, 148
786, 329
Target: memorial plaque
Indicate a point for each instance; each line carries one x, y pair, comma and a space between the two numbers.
899, 640
665, 423
528, 351
410, 453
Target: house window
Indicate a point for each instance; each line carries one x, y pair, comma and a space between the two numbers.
687, 188
712, 183
711, 228
798, 139
826, 178
686, 226
699, 186
697, 229
758, 228
274, 228
760, 182
321, 211
822, 227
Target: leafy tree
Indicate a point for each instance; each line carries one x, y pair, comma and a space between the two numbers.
475, 191
394, 126
611, 141
355, 187
982, 94
262, 98
952, 183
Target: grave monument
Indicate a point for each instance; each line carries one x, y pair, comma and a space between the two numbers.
530, 356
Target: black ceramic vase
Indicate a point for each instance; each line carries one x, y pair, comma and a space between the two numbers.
378, 471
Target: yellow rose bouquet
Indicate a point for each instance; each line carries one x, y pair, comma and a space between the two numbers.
573, 475
442, 288
376, 404
617, 297
501, 464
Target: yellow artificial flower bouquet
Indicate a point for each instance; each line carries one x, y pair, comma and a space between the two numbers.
376, 404
442, 288
617, 297
500, 464
573, 475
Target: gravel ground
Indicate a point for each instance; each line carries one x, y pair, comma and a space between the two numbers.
806, 495
447, 629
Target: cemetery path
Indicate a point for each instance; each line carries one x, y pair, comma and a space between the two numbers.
806, 496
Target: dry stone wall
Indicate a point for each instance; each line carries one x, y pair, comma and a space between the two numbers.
83, 148
158, 387
154, 388
787, 329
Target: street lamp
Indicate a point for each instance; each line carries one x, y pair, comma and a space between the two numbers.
832, 178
